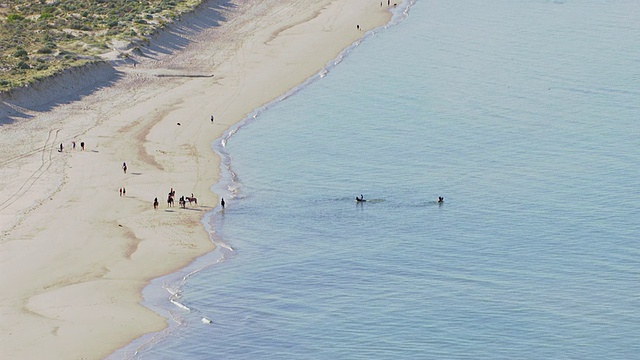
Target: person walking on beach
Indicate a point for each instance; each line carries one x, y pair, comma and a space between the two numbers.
60, 148
120, 191
124, 191
155, 203
82, 145
73, 145
212, 119
222, 203
124, 167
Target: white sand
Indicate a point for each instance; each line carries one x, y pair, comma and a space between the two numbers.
74, 255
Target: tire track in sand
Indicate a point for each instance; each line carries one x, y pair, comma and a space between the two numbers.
46, 159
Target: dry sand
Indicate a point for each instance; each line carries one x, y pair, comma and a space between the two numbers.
74, 254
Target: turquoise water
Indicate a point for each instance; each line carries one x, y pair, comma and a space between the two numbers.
523, 115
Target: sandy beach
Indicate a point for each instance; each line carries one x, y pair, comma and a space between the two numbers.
75, 253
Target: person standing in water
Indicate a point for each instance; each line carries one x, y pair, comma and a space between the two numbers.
222, 203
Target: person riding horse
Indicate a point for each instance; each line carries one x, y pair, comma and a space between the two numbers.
192, 199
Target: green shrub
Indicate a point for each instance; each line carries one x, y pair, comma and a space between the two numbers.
14, 17
22, 65
20, 53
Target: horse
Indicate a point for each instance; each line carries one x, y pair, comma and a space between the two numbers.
170, 201
191, 199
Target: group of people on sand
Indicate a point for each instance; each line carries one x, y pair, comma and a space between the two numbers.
170, 197
73, 146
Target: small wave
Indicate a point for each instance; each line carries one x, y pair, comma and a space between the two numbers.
425, 203
370, 201
181, 306
376, 200
226, 246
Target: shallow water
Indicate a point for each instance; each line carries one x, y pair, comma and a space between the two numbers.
523, 115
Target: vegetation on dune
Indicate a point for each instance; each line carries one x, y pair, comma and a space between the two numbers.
39, 38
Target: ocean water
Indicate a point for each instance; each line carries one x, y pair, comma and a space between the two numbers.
524, 115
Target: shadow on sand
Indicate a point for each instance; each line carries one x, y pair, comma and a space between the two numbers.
176, 36
64, 88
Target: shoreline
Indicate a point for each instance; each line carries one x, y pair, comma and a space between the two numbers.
77, 256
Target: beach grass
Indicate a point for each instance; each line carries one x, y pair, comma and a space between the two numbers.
40, 38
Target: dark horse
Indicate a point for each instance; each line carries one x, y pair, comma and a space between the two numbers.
191, 199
